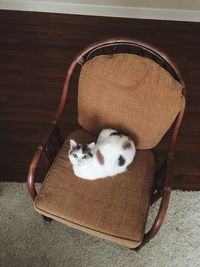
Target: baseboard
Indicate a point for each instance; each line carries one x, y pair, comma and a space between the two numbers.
101, 10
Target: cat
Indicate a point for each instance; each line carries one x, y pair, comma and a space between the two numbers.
111, 155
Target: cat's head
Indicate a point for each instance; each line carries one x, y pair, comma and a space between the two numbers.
79, 154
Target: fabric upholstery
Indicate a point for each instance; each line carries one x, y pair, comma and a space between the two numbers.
114, 208
129, 93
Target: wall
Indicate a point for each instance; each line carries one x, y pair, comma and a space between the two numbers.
36, 49
148, 9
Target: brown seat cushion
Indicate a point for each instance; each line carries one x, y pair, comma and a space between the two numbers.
129, 93
114, 208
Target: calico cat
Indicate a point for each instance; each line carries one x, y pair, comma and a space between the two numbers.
111, 155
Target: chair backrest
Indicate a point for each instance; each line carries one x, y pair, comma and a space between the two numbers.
131, 93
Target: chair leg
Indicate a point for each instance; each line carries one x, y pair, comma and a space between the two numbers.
47, 219
144, 242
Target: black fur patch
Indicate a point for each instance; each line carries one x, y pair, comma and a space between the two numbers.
121, 160
120, 134
78, 146
85, 149
117, 133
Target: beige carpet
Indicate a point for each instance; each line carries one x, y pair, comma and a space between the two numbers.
26, 241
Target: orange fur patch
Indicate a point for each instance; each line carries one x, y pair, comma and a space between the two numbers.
126, 145
100, 157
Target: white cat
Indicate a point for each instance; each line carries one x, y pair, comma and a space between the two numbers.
111, 155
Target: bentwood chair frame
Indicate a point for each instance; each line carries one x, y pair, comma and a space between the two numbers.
52, 140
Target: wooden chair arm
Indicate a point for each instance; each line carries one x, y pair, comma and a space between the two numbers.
31, 173
160, 215
166, 191
166, 173
33, 165
42, 147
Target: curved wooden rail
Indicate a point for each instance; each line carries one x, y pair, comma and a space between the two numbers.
36, 157
41, 148
31, 173
165, 194
160, 215
82, 57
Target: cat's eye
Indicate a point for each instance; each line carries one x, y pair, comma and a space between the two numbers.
75, 156
84, 157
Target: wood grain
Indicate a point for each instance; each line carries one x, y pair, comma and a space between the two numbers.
35, 50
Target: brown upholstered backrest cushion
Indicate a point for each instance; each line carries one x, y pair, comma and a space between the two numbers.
129, 93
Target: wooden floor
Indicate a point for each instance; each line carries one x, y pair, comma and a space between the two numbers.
35, 50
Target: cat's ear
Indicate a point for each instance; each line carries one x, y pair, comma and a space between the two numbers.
73, 144
91, 145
